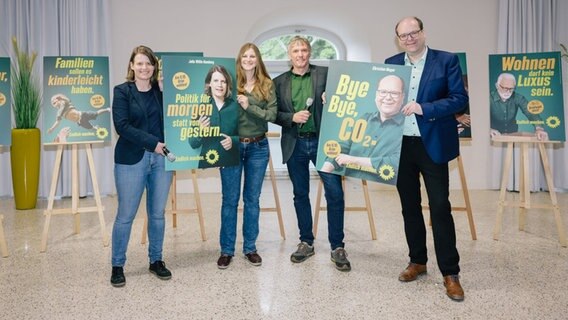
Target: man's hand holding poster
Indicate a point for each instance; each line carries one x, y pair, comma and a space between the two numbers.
201, 115
361, 132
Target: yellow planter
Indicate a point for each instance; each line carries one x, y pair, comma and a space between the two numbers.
24, 156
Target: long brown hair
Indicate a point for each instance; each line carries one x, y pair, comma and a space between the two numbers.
264, 84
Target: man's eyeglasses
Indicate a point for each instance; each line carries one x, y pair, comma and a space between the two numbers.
393, 94
411, 35
506, 89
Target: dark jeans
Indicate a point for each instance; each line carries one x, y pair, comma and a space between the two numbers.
414, 160
305, 151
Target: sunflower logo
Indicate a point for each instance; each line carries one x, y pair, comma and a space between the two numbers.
212, 156
102, 133
553, 121
386, 172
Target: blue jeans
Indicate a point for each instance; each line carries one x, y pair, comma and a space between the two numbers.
305, 151
253, 160
131, 180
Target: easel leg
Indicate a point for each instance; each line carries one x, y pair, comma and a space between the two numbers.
197, 197
75, 187
525, 195
3, 245
502, 193
466, 199
276, 198
369, 209
51, 198
553, 199
97, 194
144, 231
318, 208
173, 194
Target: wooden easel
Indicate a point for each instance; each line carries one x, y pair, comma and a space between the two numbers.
75, 209
525, 200
366, 208
3, 245
467, 207
174, 211
276, 207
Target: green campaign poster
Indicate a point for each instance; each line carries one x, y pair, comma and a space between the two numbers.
5, 101
464, 117
526, 97
201, 115
76, 101
160, 55
361, 130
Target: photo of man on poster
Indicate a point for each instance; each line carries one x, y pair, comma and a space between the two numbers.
504, 106
378, 162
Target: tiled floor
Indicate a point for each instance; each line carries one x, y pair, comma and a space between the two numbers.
522, 276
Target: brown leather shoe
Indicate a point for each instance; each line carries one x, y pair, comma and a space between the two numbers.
253, 258
453, 288
412, 272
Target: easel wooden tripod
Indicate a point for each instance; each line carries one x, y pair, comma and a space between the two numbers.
467, 207
174, 211
525, 200
367, 208
75, 209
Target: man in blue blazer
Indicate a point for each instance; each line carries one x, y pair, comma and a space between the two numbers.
299, 95
430, 141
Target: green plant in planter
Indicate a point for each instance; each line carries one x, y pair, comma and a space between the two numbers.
26, 93
26, 138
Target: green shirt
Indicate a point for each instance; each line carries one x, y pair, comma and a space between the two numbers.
301, 91
504, 113
212, 152
253, 121
381, 145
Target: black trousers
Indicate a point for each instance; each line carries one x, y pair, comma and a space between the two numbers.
414, 160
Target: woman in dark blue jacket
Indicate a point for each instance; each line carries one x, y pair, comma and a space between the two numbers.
137, 111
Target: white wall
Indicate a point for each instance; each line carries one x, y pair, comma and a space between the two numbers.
219, 28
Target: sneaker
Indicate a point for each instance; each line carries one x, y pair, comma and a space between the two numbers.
117, 278
253, 258
339, 257
224, 261
159, 269
303, 252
